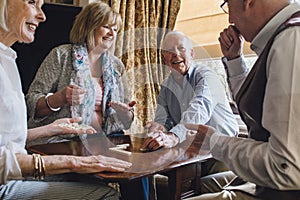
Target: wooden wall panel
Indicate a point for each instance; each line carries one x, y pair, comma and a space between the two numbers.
198, 8
202, 21
203, 30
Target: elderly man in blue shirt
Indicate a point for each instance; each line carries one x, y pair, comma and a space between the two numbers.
191, 94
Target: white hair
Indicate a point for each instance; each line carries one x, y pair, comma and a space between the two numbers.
188, 40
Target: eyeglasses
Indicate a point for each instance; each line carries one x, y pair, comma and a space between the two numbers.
224, 6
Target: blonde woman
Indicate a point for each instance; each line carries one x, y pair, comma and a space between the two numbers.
82, 78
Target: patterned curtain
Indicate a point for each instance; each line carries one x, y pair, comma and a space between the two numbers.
145, 22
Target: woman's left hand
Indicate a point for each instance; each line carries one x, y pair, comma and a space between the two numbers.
124, 111
69, 126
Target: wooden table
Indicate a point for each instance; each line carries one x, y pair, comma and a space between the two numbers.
182, 164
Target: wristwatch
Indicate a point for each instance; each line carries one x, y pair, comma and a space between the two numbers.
47, 102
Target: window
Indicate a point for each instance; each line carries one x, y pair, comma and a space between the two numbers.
203, 25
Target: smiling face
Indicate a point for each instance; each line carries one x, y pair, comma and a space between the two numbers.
23, 17
177, 52
105, 36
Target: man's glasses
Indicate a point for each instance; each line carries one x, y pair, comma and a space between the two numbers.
224, 6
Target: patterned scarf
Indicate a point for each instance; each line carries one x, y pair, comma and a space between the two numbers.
111, 83
83, 79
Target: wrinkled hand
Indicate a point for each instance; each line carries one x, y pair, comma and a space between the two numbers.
55, 128
123, 110
231, 42
156, 140
94, 164
154, 126
73, 95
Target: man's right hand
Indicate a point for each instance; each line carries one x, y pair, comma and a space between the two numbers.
231, 42
158, 139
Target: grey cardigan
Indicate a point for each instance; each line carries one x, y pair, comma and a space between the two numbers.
55, 73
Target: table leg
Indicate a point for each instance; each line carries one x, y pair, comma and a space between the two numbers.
177, 178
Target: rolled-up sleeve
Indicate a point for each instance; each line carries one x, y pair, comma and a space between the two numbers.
9, 167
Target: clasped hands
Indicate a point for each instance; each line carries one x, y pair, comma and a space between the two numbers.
158, 137
231, 42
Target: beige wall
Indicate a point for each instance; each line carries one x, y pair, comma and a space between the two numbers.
202, 21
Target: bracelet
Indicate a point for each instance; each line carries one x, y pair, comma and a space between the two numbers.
47, 102
39, 167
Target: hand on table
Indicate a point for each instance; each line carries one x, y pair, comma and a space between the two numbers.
231, 42
158, 139
99, 163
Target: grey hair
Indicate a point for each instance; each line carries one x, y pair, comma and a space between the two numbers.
3, 14
188, 40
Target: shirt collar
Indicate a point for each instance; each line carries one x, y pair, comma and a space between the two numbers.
7, 51
261, 39
190, 71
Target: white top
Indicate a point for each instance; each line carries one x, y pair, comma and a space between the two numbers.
13, 125
274, 164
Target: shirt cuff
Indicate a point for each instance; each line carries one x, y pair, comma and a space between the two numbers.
180, 131
235, 66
